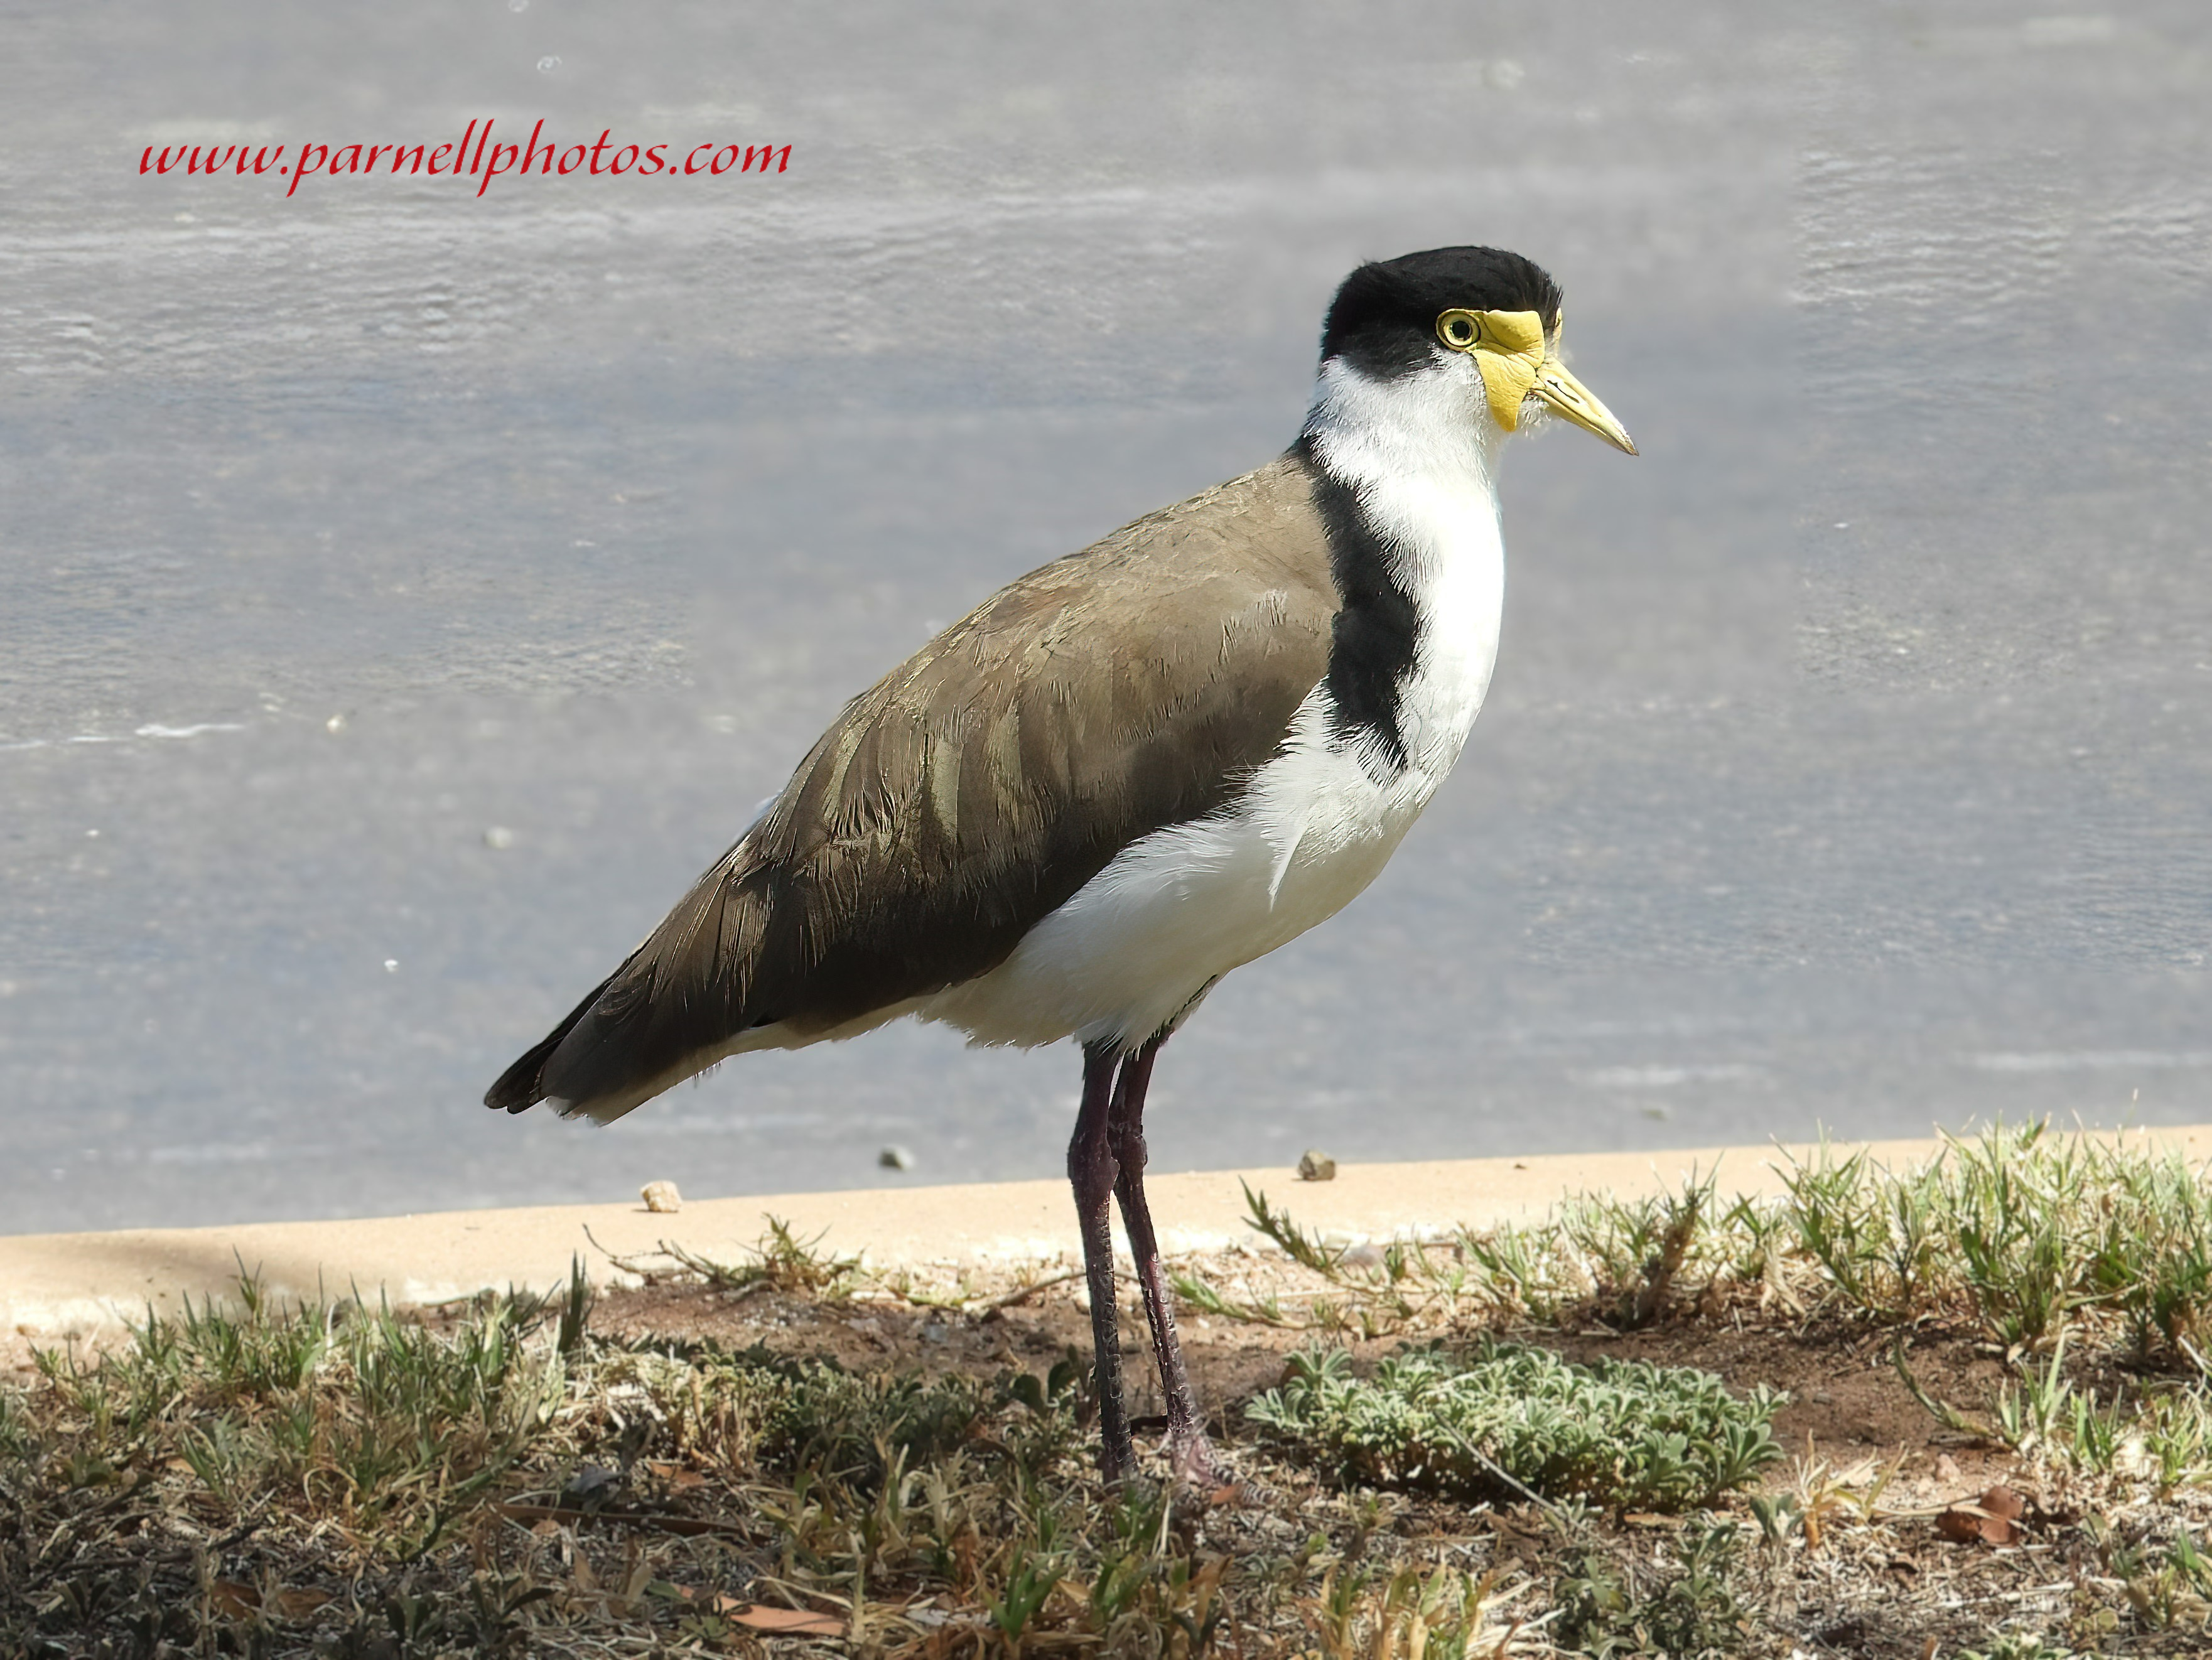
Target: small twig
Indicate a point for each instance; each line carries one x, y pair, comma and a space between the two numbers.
660, 1521
1492, 1466
627, 1264
1023, 1294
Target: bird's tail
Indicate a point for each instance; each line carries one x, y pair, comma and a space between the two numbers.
522, 1085
670, 1011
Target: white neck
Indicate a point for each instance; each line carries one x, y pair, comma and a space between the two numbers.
1434, 424
1422, 454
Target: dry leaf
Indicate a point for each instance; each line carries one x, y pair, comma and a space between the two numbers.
1961, 1524
1993, 1519
790, 1622
238, 1600
235, 1598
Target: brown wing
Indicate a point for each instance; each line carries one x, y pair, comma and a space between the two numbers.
971, 791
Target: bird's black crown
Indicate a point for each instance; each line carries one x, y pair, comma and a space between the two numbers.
1383, 320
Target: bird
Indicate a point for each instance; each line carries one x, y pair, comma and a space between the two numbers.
1132, 770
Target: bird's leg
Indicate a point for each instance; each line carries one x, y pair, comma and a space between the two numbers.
1189, 1455
1090, 1172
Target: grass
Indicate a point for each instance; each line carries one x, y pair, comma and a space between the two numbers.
2018, 1231
1430, 1475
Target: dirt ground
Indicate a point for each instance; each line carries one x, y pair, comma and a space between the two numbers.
1846, 1400
1873, 1535
1908, 1580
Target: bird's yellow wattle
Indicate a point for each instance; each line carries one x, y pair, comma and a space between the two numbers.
1510, 353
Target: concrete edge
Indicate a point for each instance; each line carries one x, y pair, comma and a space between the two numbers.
59, 1286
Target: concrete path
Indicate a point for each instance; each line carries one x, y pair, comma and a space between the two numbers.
56, 1285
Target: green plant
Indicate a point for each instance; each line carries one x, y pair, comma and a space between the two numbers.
1641, 1245
1361, 1615
1608, 1607
816, 1416
2018, 1646
1197, 1294
782, 1262
1506, 1419
2176, 1425
1033, 1572
2038, 1411
1307, 1249
1520, 1269
2006, 1208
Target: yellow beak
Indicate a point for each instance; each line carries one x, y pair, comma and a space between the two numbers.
1517, 361
1569, 399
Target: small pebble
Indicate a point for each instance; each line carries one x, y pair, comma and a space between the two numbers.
895, 1158
661, 1197
1366, 1256
1316, 1166
499, 838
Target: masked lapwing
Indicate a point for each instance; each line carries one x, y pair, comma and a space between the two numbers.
1132, 770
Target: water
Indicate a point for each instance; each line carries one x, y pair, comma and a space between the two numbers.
1850, 756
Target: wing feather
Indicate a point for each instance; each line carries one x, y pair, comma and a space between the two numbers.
974, 789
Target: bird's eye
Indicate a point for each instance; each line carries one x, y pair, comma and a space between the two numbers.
1458, 330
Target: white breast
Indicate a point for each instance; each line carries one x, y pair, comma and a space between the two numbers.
1132, 952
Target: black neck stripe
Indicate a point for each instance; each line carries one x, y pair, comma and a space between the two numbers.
1377, 627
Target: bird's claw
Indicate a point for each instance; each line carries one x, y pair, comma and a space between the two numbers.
1192, 1463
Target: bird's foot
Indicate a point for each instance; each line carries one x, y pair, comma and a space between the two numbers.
1192, 1463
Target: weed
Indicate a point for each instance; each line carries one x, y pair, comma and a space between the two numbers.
2176, 1425
1508, 1420
1195, 1293
1819, 1496
1609, 1607
782, 1263
2036, 1411
1640, 1246
1033, 1574
1520, 1270
814, 1416
2010, 1645
1307, 1249
1361, 1615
